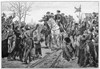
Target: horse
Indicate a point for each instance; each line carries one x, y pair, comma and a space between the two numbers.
55, 32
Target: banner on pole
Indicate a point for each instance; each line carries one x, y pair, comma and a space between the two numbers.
78, 9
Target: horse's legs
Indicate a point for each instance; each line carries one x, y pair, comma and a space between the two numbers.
45, 40
58, 40
50, 41
30, 56
61, 40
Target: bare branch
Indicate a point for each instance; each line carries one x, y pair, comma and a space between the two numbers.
20, 8
12, 5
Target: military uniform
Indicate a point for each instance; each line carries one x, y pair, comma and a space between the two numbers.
58, 18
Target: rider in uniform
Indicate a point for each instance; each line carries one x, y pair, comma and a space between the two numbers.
58, 17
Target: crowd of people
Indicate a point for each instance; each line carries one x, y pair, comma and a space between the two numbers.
81, 40
17, 40
77, 40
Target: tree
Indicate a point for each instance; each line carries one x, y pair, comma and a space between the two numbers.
21, 9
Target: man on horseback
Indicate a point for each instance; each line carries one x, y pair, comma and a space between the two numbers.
58, 17
51, 25
61, 22
55, 32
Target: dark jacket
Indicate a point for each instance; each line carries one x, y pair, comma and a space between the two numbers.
58, 17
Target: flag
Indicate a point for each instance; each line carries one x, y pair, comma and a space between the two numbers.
78, 9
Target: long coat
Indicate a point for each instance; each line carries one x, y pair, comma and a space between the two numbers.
67, 51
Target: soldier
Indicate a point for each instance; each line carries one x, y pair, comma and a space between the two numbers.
47, 15
58, 17
63, 20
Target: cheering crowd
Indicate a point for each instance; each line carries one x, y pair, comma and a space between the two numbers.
77, 40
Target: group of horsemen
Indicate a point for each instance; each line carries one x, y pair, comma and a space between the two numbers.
77, 40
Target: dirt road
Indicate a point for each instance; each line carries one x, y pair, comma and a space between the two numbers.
52, 60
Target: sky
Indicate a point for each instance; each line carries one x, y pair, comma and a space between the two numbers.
40, 8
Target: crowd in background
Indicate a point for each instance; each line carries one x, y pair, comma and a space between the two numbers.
80, 41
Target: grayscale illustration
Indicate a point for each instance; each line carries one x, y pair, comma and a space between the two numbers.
47, 34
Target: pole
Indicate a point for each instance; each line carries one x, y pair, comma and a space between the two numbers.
79, 17
80, 14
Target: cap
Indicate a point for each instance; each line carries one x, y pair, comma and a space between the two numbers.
62, 13
48, 12
52, 13
58, 10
